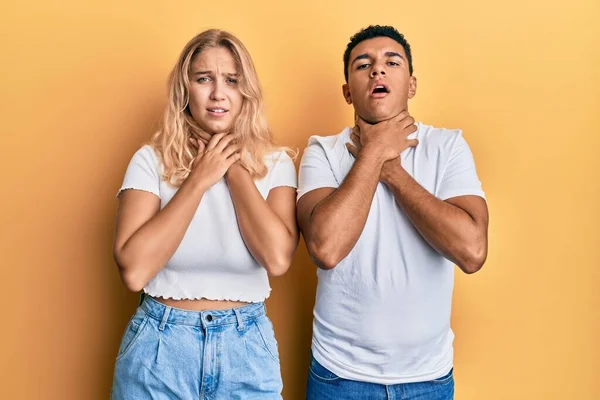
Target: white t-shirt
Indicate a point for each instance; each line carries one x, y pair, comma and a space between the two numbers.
382, 315
212, 260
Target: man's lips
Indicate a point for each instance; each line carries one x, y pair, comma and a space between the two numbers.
379, 89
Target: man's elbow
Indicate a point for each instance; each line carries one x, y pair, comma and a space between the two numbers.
323, 257
474, 259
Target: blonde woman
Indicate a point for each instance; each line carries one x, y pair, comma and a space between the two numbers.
206, 213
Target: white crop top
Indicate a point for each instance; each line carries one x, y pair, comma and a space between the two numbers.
212, 261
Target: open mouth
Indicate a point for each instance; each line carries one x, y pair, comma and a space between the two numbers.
380, 89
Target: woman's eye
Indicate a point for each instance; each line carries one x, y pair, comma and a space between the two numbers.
203, 79
232, 81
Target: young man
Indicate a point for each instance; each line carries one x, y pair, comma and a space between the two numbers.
386, 209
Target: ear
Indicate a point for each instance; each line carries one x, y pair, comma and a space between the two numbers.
346, 93
412, 87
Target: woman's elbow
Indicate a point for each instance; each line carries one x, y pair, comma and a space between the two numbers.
275, 272
130, 275
132, 283
278, 263
278, 267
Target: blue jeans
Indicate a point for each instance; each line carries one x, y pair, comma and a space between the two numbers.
169, 353
325, 385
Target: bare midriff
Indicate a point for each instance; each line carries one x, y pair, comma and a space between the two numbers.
201, 304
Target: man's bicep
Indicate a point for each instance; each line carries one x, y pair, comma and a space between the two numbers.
460, 176
475, 206
307, 203
315, 171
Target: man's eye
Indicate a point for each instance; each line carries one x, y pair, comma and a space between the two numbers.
363, 66
393, 63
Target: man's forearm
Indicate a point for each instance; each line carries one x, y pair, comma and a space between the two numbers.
450, 230
338, 220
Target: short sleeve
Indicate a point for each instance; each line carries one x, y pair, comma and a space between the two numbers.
315, 170
460, 177
142, 172
283, 172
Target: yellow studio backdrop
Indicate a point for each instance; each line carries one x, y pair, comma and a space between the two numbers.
83, 85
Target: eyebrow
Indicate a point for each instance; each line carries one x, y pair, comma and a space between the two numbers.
387, 54
234, 74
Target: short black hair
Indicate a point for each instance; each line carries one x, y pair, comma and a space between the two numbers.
372, 32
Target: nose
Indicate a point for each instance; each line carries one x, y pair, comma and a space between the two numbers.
217, 93
378, 70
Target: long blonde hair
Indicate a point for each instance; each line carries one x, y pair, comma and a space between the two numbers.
171, 141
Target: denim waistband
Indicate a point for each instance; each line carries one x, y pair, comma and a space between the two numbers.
206, 318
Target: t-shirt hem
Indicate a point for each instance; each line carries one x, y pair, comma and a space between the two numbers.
136, 188
311, 188
283, 185
199, 296
456, 193
338, 368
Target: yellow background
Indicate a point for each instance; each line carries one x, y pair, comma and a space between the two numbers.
83, 85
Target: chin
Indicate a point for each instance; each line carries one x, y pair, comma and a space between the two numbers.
384, 116
216, 129
376, 118
376, 115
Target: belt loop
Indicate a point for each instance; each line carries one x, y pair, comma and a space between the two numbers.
165, 317
240, 326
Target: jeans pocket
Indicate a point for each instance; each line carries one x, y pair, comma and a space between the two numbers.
267, 336
449, 377
134, 328
321, 373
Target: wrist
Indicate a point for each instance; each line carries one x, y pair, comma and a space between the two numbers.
391, 170
196, 182
234, 170
373, 154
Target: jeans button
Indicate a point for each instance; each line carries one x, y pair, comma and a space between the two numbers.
209, 318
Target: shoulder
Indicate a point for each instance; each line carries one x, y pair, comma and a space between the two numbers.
331, 142
276, 158
330, 147
281, 172
279, 163
440, 138
148, 154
